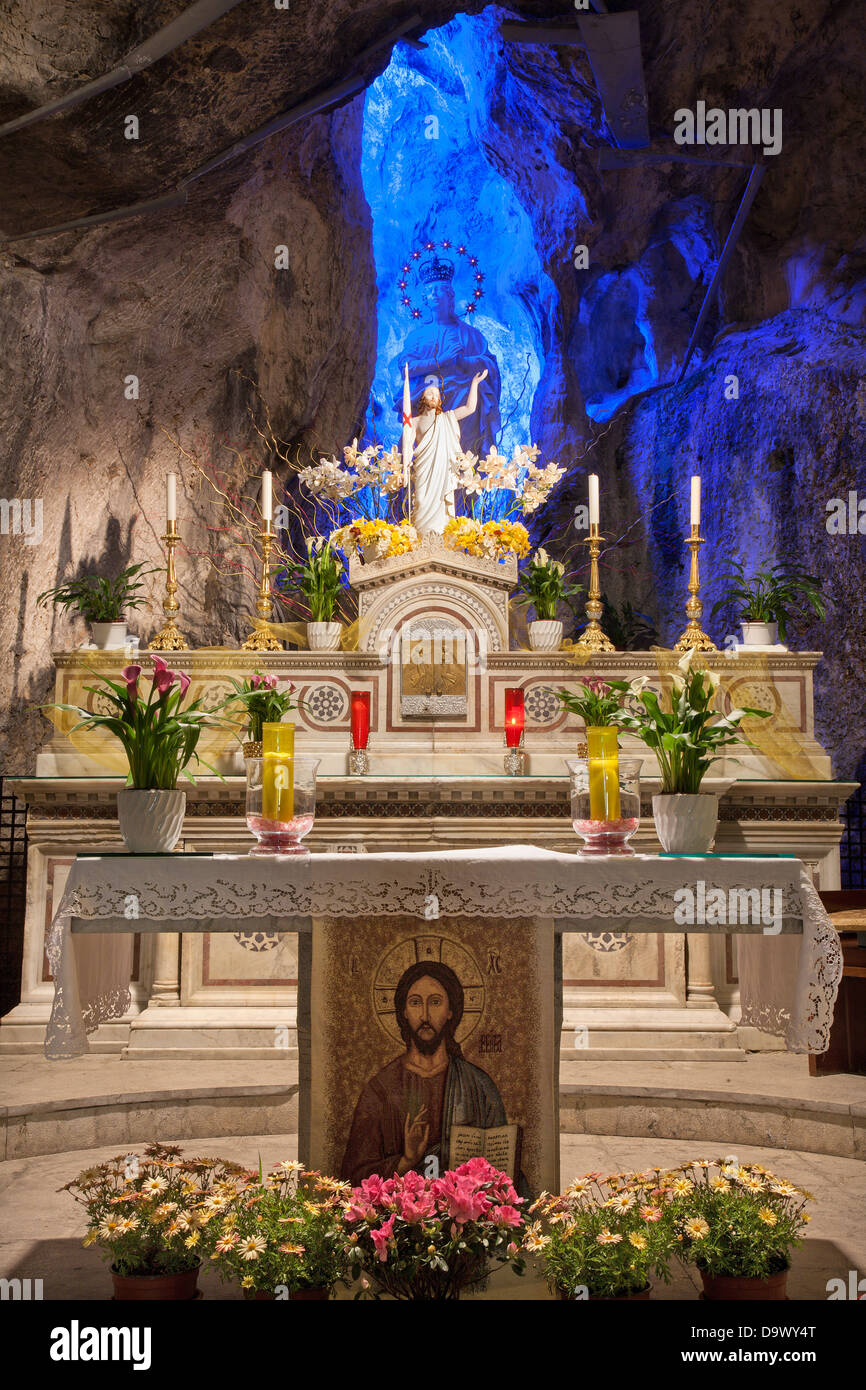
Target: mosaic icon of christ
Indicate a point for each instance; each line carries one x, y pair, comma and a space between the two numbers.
405, 1113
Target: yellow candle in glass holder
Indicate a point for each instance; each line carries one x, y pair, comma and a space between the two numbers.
278, 772
603, 753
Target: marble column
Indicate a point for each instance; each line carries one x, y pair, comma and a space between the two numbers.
166, 972
700, 991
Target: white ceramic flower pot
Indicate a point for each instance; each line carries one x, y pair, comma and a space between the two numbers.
686, 824
545, 635
150, 821
324, 637
107, 635
760, 634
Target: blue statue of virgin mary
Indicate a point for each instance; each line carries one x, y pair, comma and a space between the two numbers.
447, 352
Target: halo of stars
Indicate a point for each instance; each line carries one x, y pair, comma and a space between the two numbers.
460, 250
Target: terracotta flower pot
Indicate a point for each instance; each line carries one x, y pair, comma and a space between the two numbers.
150, 821
640, 1296
144, 1288
686, 824
736, 1288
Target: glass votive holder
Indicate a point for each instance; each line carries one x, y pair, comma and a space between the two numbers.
605, 833
281, 802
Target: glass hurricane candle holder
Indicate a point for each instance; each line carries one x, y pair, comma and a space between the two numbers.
281, 803
605, 804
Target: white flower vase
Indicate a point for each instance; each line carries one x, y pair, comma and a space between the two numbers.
324, 637
545, 635
760, 634
686, 824
108, 635
150, 821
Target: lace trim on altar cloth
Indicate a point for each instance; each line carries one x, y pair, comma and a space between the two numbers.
794, 999
436, 893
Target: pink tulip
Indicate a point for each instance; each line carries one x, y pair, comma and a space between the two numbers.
130, 675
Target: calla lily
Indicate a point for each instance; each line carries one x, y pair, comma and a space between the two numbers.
130, 675
163, 679
184, 681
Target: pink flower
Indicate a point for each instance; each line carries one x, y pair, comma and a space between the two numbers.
356, 1211
381, 1237
371, 1188
506, 1216
412, 1209
130, 675
260, 682
463, 1202
512, 1249
162, 678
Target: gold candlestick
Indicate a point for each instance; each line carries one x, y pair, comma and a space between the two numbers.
694, 635
593, 639
260, 640
169, 638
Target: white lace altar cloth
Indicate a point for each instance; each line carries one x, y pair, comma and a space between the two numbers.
788, 981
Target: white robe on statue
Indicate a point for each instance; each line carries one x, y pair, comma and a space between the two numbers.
433, 480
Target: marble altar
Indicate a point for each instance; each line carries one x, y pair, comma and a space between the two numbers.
436, 650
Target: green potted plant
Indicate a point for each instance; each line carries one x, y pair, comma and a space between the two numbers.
319, 579
418, 1238
262, 703
685, 733
545, 585
739, 1223
159, 735
768, 598
603, 1237
101, 602
281, 1235
146, 1214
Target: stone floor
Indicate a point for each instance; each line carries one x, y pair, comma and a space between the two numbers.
42, 1227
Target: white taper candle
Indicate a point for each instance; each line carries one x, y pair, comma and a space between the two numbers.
696, 500
267, 496
593, 499
171, 497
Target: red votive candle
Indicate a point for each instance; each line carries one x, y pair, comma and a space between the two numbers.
360, 718
515, 717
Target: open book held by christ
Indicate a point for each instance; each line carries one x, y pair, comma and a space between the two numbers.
500, 1145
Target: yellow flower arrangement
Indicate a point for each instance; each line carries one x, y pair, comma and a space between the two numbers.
357, 534
493, 539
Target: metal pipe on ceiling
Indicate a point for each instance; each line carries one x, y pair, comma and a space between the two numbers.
199, 16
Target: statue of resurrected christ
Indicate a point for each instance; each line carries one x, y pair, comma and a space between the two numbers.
435, 434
